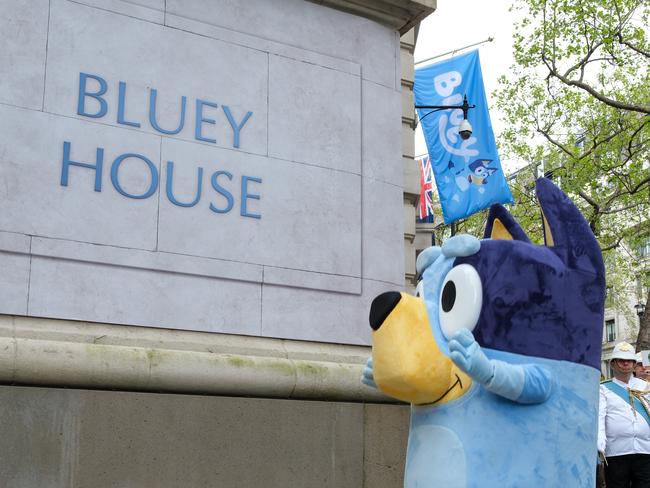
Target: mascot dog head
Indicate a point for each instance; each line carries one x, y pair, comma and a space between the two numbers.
514, 296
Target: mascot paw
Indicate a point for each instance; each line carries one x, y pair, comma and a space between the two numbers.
367, 378
468, 356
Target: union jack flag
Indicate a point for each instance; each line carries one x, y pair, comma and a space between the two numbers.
426, 190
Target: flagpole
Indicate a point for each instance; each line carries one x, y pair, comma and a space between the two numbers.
489, 39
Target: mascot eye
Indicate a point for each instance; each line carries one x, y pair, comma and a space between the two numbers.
419, 290
460, 300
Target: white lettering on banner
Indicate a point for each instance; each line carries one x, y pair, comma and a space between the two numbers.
446, 82
448, 126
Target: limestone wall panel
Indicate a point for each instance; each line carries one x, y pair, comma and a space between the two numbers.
23, 37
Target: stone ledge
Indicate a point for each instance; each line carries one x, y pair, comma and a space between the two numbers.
399, 14
62, 353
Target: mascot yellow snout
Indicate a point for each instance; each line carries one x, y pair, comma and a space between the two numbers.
408, 364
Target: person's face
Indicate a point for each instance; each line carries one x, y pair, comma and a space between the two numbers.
623, 366
639, 370
642, 371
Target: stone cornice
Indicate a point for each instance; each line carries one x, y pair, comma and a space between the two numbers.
402, 15
64, 353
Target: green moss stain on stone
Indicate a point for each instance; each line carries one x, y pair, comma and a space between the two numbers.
311, 369
282, 367
240, 362
112, 354
278, 366
154, 355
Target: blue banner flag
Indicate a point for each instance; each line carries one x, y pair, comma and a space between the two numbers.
468, 172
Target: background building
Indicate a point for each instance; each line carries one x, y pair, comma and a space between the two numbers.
623, 312
199, 201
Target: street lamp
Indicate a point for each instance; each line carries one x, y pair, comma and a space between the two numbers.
465, 128
640, 310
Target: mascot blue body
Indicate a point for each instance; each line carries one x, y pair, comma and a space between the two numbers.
499, 355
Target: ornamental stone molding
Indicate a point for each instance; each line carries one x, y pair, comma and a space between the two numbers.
399, 14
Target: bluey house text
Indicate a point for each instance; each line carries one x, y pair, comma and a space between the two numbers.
204, 110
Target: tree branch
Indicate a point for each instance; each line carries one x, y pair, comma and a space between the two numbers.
643, 53
597, 95
634, 134
581, 64
555, 142
620, 209
590, 200
595, 144
579, 83
612, 246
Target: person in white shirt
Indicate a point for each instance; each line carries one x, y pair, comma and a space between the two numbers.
641, 371
624, 423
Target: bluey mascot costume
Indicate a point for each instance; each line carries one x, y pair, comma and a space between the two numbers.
499, 354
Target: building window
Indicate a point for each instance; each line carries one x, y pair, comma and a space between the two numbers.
608, 297
644, 249
609, 369
610, 330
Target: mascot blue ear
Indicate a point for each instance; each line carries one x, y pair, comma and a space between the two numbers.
566, 231
501, 225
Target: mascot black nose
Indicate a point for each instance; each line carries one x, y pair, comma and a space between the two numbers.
382, 306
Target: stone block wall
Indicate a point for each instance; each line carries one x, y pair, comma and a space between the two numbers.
66, 438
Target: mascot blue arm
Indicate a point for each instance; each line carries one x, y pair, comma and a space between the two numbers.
499, 355
527, 383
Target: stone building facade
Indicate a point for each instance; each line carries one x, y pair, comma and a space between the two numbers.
199, 201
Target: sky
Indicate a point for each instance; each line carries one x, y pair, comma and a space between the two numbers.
456, 24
